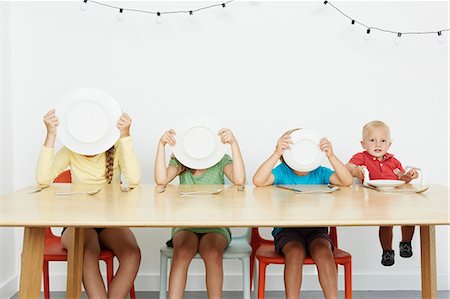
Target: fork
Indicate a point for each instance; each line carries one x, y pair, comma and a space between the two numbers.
79, 192
200, 192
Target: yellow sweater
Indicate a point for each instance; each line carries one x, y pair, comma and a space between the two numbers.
87, 170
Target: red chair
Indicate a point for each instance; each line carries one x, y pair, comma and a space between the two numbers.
55, 252
264, 252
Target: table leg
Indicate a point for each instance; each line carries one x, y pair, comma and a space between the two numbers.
32, 262
75, 262
428, 261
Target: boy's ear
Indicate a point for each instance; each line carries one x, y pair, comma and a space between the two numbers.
362, 143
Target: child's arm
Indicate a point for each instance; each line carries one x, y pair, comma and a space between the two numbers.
163, 174
235, 171
127, 158
50, 165
342, 175
264, 176
355, 170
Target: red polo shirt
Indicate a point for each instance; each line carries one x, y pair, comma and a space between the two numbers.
378, 170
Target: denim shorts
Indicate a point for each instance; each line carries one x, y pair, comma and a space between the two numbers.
303, 235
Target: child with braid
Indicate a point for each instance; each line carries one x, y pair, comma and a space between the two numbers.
103, 168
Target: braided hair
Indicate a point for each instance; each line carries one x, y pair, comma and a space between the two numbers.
109, 164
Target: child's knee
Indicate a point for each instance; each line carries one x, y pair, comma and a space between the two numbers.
184, 253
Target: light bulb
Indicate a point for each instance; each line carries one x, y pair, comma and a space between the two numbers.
440, 38
351, 27
84, 5
368, 36
158, 19
224, 9
398, 39
191, 18
120, 16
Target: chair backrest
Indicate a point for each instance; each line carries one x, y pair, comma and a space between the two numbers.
63, 177
257, 239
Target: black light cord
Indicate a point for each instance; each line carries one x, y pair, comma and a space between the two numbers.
370, 28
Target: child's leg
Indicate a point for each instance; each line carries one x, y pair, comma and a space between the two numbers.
123, 243
320, 250
407, 233
92, 278
211, 248
294, 256
385, 234
185, 246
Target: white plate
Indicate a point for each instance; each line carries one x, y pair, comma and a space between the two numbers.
386, 183
304, 154
198, 144
87, 121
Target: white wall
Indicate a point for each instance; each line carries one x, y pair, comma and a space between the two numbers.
8, 278
264, 68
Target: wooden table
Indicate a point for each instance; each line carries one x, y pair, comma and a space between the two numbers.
267, 206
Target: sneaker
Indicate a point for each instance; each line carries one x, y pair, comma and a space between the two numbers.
406, 249
387, 259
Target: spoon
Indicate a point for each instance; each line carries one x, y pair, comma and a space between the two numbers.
80, 192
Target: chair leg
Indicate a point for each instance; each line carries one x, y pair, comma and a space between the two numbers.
163, 260
46, 281
261, 279
109, 270
252, 267
348, 280
246, 287
132, 292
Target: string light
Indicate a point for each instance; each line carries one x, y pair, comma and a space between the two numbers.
397, 34
158, 14
190, 13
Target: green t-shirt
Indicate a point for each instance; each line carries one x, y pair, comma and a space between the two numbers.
212, 176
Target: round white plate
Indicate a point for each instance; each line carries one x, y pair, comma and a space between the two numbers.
198, 144
304, 154
87, 121
386, 183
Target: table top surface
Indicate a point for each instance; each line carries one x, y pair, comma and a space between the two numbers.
145, 206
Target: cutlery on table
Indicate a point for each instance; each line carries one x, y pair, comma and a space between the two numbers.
201, 192
78, 192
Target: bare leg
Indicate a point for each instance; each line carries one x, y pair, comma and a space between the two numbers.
294, 256
123, 243
385, 234
92, 278
211, 249
407, 233
185, 246
320, 250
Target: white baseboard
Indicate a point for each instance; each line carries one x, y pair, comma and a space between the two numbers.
274, 282
9, 287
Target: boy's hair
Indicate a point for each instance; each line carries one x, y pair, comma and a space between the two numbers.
374, 124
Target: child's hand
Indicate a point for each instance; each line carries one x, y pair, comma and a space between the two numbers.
51, 122
358, 172
226, 136
168, 137
123, 124
409, 176
283, 144
325, 145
